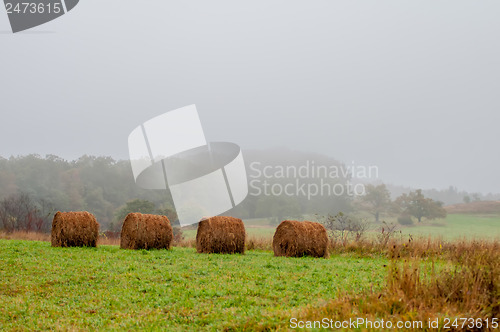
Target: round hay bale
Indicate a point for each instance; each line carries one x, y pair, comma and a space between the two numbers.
74, 229
221, 235
146, 231
296, 239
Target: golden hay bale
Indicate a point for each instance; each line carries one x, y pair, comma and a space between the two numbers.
146, 231
296, 239
221, 235
74, 229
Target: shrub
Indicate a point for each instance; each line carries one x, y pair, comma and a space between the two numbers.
405, 220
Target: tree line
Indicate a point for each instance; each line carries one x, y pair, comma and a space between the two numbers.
413, 204
33, 188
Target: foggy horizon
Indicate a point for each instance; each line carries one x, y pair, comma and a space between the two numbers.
378, 180
408, 87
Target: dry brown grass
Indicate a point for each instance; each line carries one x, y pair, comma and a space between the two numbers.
106, 241
186, 243
409, 247
259, 243
26, 236
461, 279
482, 207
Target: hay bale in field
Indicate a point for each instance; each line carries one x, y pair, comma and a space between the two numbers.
146, 231
74, 229
296, 239
221, 235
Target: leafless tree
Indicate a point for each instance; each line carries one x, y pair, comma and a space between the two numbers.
342, 227
19, 212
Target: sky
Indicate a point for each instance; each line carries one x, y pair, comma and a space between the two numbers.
411, 87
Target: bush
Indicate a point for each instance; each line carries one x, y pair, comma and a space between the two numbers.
178, 235
342, 227
405, 220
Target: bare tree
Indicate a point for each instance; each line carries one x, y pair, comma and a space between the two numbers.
21, 212
342, 227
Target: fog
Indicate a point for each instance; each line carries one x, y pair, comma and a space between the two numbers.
411, 87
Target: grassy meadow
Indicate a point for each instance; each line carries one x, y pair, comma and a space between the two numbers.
454, 226
45, 288
457, 226
453, 273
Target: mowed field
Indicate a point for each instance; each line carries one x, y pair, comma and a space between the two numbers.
45, 288
457, 226
454, 226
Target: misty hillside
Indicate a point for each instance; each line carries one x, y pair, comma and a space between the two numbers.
103, 185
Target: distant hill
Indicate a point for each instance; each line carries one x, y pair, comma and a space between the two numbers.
487, 207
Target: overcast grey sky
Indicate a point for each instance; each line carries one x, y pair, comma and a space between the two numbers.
409, 86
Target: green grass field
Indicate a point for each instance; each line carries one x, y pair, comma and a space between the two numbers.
106, 288
457, 226
45, 288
